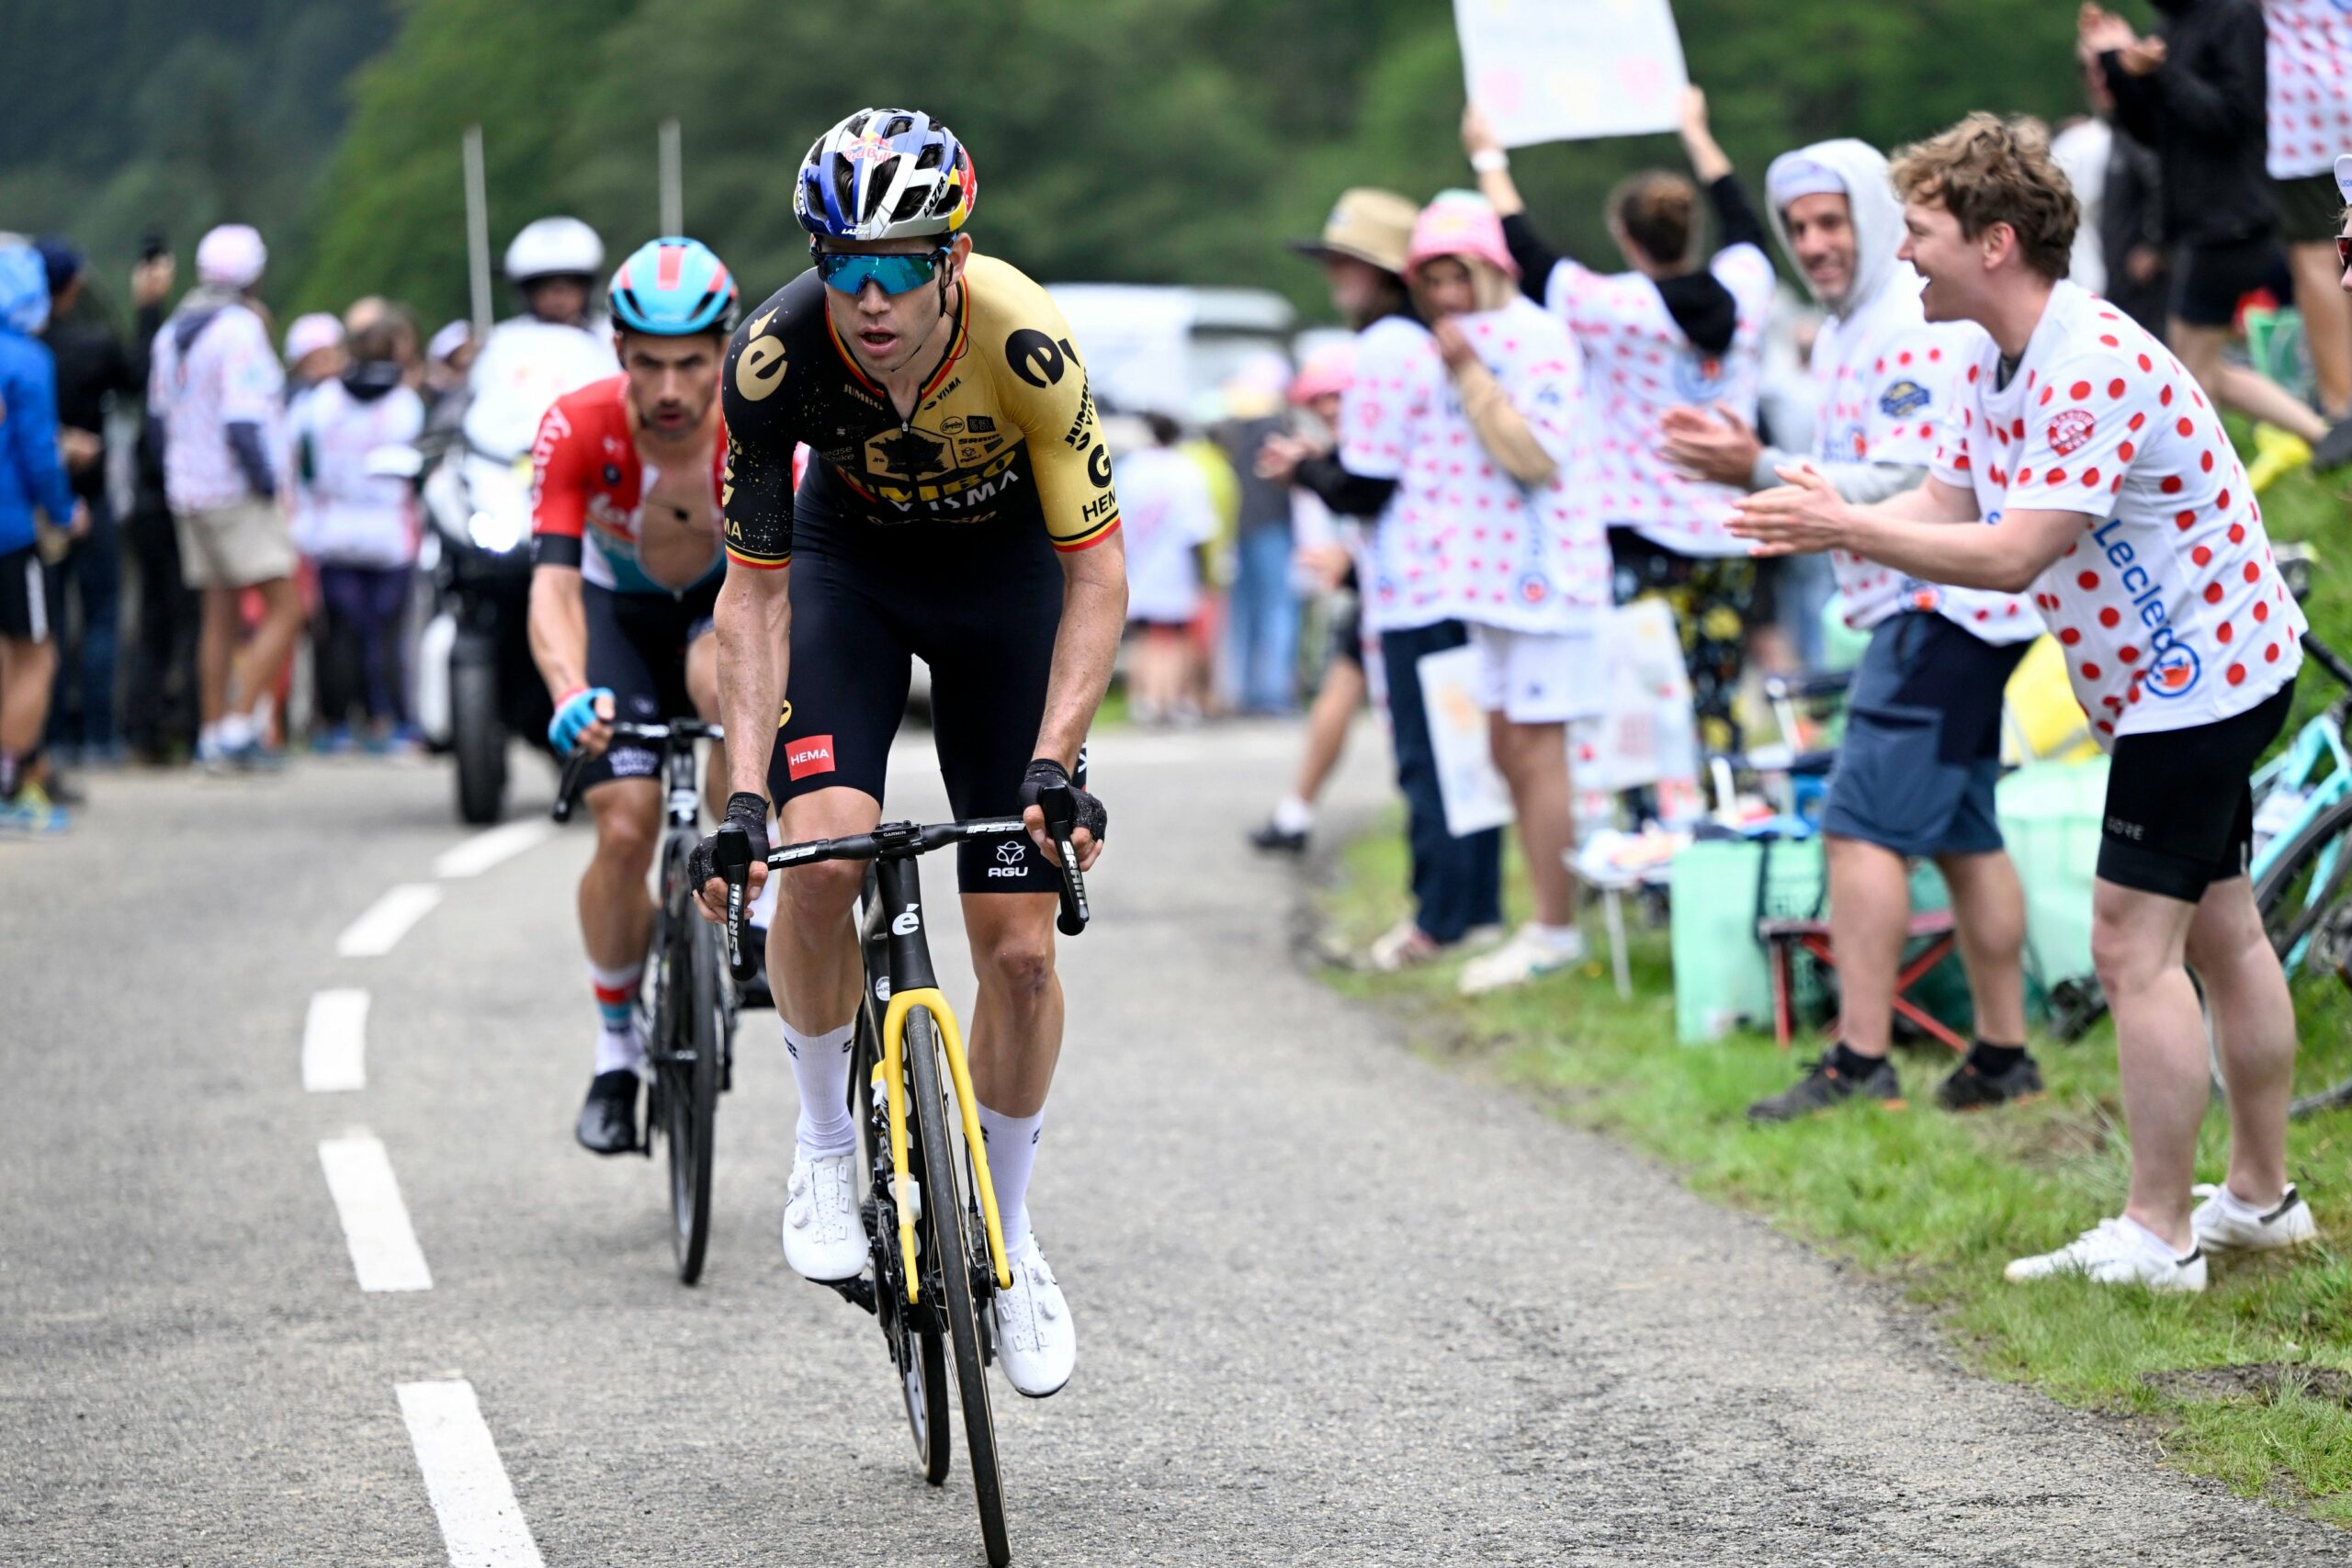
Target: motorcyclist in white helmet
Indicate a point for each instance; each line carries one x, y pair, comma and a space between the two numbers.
558, 343
555, 261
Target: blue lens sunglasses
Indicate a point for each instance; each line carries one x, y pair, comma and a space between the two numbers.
897, 272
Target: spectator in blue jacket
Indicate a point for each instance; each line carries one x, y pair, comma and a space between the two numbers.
32, 479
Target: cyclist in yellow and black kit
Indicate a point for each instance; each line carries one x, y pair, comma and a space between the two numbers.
957, 508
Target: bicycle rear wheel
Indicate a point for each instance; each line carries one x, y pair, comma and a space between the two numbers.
948, 1265
2302, 897
690, 1085
918, 1349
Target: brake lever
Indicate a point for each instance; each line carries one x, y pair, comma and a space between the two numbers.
730, 854
1061, 824
567, 789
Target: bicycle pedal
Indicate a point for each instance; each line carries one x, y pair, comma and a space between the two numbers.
857, 1290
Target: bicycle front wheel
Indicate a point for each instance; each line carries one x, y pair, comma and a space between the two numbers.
691, 1106
947, 1266
2300, 897
918, 1348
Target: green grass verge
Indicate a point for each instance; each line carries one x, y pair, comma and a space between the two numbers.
2250, 1383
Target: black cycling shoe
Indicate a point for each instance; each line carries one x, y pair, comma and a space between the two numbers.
1970, 1088
754, 992
1827, 1086
1273, 841
609, 1118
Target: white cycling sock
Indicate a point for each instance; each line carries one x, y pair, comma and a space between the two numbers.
1293, 814
1012, 1153
1559, 938
620, 1044
821, 1071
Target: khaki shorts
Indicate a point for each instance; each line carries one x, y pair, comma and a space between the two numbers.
234, 545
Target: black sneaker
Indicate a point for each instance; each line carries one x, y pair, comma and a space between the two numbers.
1970, 1088
608, 1117
1274, 840
1827, 1086
2333, 450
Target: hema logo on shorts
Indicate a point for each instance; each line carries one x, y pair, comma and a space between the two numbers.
812, 755
1012, 856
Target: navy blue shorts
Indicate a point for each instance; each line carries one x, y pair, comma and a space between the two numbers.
1922, 751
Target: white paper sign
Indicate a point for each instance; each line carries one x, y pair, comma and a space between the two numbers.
1647, 736
1475, 797
1566, 70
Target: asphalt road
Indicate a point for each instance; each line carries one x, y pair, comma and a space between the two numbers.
1335, 1304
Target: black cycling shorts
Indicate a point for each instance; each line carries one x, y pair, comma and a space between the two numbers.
2208, 281
24, 596
637, 645
2179, 807
979, 604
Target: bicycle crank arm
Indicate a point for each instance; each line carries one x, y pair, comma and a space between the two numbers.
857, 1290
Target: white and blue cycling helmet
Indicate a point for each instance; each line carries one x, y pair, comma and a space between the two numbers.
886, 174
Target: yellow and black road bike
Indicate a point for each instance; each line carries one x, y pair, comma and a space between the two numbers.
932, 1235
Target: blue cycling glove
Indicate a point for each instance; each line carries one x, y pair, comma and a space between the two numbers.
572, 716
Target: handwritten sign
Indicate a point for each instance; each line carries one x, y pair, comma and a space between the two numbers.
1566, 70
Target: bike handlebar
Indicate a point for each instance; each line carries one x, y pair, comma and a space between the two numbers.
899, 840
683, 731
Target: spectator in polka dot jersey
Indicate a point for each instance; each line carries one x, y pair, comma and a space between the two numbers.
2113, 495
1921, 753
1497, 530
1667, 331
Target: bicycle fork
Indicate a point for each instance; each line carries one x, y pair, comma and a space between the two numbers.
911, 962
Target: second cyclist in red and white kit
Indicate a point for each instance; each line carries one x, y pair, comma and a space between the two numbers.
625, 496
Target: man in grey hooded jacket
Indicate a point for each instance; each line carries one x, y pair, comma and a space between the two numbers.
1920, 756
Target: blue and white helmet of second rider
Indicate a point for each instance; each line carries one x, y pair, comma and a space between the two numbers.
674, 286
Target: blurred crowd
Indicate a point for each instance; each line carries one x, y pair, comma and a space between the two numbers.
210, 536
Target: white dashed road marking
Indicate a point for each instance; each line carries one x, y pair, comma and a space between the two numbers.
334, 1043
377, 931
481, 1523
384, 1253
484, 851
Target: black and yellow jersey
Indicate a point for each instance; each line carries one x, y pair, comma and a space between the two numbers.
1004, 430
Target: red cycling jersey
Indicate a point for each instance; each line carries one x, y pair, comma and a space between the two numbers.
589, 487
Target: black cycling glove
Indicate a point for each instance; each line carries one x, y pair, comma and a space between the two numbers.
745, 810
1045, 773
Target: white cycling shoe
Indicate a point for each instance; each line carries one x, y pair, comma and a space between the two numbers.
2225, 1225
2118, 1252
1035, 1341
1528, 955
822, 1237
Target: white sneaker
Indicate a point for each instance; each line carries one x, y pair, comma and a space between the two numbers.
2118, 1252
1402, 946
822, 1237
1035, 1341
1526, 956
2225, 1225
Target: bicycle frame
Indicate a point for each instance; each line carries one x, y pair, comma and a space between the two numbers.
2317, 766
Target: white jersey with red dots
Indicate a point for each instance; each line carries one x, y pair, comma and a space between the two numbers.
1889, 382
2170, 608
1638, 365
1461, 539
2309, 84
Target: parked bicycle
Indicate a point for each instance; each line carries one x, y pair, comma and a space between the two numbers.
933, 1238
690, 1044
